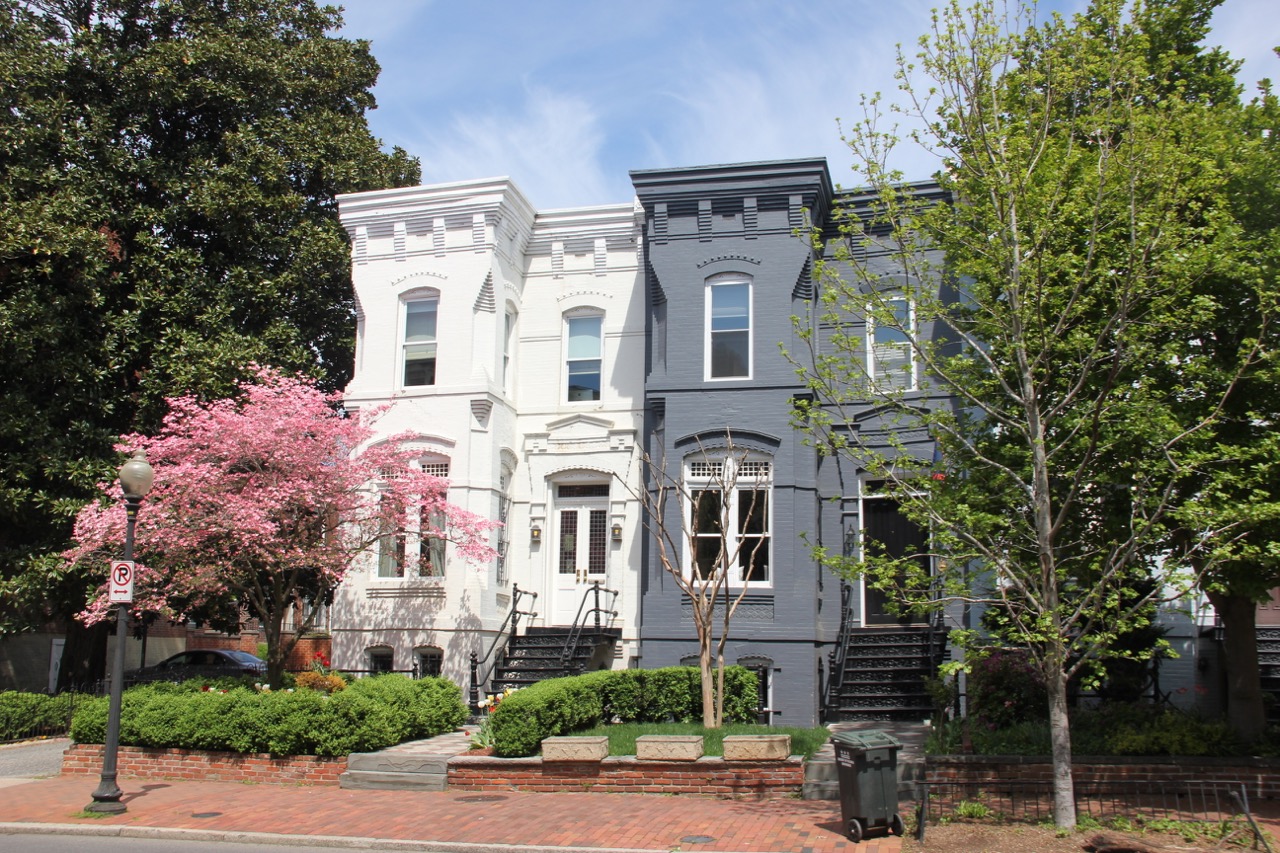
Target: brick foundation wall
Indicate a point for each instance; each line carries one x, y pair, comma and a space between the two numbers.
628, 775
86, 759
1261, 776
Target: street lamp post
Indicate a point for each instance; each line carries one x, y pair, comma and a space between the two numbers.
136, 477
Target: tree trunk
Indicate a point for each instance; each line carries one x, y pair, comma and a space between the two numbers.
708, 690
1064, 792
1245, 711
84, 656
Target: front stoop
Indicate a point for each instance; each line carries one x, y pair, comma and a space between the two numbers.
821, 781
420, 765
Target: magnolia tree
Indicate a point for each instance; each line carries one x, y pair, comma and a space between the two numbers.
261, 504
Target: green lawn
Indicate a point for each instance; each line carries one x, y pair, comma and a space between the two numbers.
622, 736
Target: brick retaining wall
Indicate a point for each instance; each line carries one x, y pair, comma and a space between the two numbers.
628, 775
1261, 776
86, 758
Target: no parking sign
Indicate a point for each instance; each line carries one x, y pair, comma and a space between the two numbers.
121, 582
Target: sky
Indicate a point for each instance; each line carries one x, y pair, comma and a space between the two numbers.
565, 97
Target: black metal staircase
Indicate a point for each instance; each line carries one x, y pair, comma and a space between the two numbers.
880, 673
1269, 668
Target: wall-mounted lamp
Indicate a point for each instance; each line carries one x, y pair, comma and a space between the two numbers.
535, 533
616, 531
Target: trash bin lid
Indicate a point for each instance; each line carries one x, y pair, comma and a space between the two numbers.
871, 739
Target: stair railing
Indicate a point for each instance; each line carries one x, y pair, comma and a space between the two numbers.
504, 635
596, 611
835, 671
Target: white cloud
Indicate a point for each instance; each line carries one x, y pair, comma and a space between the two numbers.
549, 144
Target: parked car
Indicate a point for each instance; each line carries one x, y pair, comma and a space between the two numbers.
200, 663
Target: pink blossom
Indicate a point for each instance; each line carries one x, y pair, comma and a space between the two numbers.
261, 501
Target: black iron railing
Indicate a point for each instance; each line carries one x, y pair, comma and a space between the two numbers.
835, 669
508, 630
593, 614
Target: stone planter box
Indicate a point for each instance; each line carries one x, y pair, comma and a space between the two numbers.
757, 747
583, 748
669, 747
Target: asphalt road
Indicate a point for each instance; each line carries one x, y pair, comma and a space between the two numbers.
32, 758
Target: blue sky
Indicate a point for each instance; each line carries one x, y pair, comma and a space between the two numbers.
566, 96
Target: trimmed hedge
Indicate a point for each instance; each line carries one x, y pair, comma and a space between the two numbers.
561, 705
373, 713
24, 715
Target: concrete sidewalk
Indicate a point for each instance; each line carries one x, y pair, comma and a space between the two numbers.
459, 821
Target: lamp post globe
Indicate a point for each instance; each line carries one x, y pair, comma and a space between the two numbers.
136, 479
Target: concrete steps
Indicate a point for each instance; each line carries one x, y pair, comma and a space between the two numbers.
821, 781
420, 765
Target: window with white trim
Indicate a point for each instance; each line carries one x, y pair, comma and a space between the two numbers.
728, 328
889, 349
430, 661
426, 535
583, 357
729, 519
419, 347
508, 344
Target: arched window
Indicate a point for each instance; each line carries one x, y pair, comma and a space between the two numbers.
429, 660
423, 540
418, 347
728, 327
584, 356
729, 516
381, 659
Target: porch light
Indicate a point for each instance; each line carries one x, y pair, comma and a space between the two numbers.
535, 532
616, 532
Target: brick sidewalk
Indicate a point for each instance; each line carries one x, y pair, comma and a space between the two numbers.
617, 821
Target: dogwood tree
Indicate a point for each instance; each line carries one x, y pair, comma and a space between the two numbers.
261, 504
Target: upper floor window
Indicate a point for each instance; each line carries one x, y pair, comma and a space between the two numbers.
420, 342
583, 358
889, 346
728, 324
508, 343
729, 519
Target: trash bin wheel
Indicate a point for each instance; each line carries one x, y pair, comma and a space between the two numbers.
855, 830
895, 825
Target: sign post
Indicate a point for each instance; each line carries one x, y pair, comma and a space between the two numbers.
121, 582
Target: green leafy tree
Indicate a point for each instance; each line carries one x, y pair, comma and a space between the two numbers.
1033, 324
168, 171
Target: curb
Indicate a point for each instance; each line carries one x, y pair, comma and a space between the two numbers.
337, 842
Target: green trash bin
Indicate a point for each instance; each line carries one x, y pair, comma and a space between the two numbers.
867, 767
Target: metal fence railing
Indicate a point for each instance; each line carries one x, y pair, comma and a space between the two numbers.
1136, 801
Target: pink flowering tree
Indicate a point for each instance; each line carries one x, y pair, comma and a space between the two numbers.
260, 506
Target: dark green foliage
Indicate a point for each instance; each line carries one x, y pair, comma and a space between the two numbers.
372, 714
562, 705
168, 173
24, 715
1005, 688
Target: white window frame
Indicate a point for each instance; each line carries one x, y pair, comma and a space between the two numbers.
727, 280
894, 378
393, 549
510, 318
568, 360
411, 299
730, 478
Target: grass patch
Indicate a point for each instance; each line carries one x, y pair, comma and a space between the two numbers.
622, 736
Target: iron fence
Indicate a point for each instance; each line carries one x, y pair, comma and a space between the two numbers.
1134, 801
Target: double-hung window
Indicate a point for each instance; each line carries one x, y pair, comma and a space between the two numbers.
892, 359
583, 358
420, 342
728, 328
729, 519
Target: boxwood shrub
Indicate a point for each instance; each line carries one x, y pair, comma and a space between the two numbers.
24, 715
373, 713
562, 705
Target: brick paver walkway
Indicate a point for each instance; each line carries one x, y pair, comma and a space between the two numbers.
611, 821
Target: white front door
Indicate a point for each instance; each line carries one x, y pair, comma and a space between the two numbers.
581, 555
